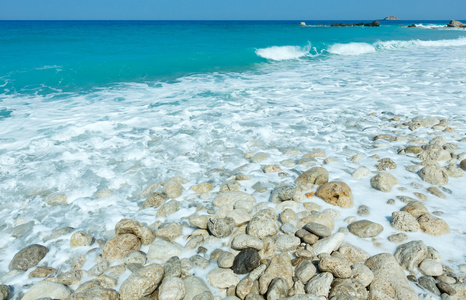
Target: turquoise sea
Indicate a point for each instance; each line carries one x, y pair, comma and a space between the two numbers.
49, 57
95, 115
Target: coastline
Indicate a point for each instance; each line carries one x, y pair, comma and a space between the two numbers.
116, 180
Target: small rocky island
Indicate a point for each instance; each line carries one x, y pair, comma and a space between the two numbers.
454, 23
391, 18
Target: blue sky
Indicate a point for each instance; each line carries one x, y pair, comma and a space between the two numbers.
230, 10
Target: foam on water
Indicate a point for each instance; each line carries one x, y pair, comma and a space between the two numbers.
351, 49
283, 52
365, 48
125, 137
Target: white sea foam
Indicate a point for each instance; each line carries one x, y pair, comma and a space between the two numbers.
283, 52
351, 49
390, 45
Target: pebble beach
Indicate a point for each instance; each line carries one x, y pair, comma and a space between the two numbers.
336, 176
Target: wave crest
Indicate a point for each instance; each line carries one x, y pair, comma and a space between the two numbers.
351, 49
283, 52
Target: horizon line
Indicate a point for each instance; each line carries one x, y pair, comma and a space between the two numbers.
216, 20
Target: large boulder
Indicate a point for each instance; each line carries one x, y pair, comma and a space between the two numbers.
389, 281
28, 257
336, 193
142, 282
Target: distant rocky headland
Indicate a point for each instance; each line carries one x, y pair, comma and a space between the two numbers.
391, 18
372, 24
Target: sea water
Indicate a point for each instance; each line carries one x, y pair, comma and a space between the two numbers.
96, 112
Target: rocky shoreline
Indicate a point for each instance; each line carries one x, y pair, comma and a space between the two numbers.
276, 242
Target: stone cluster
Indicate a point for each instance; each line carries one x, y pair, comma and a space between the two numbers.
288, 247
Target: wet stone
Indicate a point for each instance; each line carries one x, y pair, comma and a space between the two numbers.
28, 257
363, 210
246, 261
318, 229
429, 284
398, 238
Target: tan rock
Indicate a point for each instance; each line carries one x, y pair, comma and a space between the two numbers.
434, 175
390, 281
411, 254
41, 272
404, 221
173, 189
365, 228
230, 198
351, 288
49, 289
280, 266
222, 278
416, 209
142, 282
169, 232
199, 221
202, 188
336, 193
337, 267
320, 284
263, 223
81, 238
361, 272
144, 233
172, 288
433, 225
154, 200
118, 247
260, 156
353, 254
385, 164
305, 271
383, 182
168, 208
436, 192
316, 175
